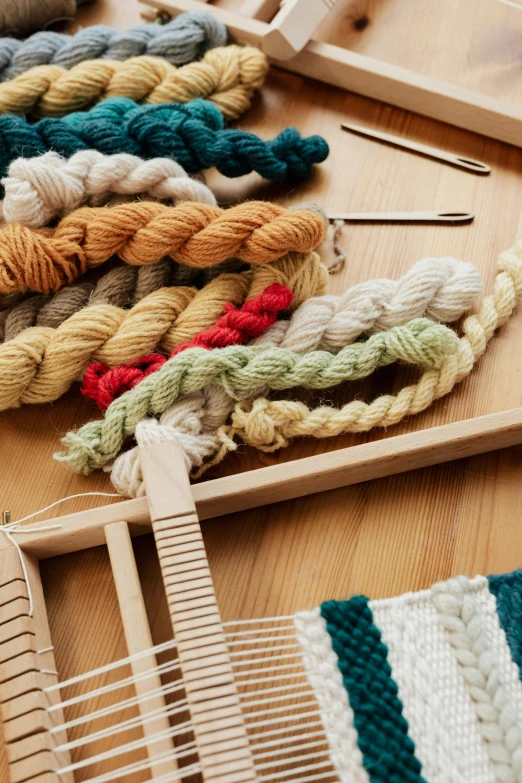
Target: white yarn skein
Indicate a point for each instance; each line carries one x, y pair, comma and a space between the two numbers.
439, 288
445, 289
192, 422
40, 188
459, 614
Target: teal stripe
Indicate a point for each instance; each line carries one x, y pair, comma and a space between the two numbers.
507, 589
388, 751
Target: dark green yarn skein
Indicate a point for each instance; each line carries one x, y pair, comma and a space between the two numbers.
193, 134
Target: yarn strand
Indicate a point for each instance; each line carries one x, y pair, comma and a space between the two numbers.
180, 41
227, 75
193, 134
41, 363
237, 325
38, 189
142, 233
270, 424
240, 369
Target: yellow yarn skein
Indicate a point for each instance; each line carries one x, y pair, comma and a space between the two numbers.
227, 75
270, 424
41, 363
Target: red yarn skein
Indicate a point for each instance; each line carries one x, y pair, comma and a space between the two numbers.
104, 384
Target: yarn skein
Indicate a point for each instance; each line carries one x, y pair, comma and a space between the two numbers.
180, 41
143, 233
40, 363
440, 288
123, 286
270, 424
241, 369
40, 188
227, 75
193, 134
237, 325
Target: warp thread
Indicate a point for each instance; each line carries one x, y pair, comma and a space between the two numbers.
193, 134
242, 369
40, 188
200, 235
40, 364
227, 75
237, 325
442, 289
180, 41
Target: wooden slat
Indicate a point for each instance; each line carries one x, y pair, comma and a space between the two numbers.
277, 483
172, 510
138, 638
376, 79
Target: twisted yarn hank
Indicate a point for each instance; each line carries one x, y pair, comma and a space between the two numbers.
143, 233
40, 364
439, 288
270, 424
104, 384
442, 288
180, 41
242, 369
122, 286
193, 134
227, 75
40, 188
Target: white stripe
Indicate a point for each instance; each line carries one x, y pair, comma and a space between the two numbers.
326, 681
436, 704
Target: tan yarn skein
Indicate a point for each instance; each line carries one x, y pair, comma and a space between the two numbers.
270, 424
41, 363
227, 75
142, 233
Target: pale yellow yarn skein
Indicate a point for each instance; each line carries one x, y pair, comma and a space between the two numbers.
268, 425
227, 75
41, 363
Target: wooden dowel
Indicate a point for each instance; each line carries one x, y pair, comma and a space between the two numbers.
138, 638
274, 484
211, 687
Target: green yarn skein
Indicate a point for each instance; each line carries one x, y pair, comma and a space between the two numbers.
243, 369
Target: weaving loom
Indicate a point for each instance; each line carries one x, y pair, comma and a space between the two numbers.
425, 686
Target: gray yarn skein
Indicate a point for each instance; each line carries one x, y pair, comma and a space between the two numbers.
124, 286
180, 41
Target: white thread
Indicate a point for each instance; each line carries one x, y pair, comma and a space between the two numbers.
439, 711
460, 616
440, 288
326, 681
192, 422
57, 503
40, 188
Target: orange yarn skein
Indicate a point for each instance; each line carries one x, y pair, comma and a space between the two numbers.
141, 233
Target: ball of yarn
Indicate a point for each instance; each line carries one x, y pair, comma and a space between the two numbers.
22, 16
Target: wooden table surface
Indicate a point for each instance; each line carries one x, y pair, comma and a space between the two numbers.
382, 537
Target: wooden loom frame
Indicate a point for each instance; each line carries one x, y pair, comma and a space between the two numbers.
367, 76
173, 510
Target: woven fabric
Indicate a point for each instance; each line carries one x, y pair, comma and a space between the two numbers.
422, 687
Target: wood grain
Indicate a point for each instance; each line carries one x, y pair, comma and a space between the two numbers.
383, 537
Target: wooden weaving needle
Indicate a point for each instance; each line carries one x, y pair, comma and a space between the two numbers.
426, 216
475, 166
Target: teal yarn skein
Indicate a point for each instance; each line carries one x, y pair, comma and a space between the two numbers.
243, 369
193, 134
